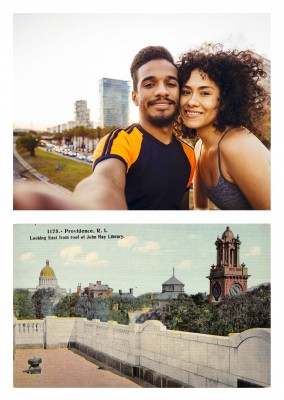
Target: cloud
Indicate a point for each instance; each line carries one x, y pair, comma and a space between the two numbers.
128, 241
72, 255
254, 251
69, 254
93, 259
26, 256
147, 247
90, 258
185, 264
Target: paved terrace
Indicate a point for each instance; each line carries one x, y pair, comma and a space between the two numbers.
66, 368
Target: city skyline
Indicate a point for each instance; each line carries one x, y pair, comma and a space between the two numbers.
60, 58
143, 259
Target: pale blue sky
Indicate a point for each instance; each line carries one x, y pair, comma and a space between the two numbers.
59, 58
142, 260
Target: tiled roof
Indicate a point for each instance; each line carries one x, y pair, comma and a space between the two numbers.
173, 281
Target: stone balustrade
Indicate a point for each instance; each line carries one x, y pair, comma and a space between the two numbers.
29, 333
163, 357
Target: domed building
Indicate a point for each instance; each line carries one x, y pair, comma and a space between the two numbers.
47, 278
171, 289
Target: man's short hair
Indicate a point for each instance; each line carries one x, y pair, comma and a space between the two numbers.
145, 55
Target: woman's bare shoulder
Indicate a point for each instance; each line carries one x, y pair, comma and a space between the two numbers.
241, 140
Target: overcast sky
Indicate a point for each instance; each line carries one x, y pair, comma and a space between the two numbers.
59, 58
143, 259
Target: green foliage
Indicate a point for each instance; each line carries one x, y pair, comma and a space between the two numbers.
115, 308
92, 308
22, 304
43, 301
28, 141
157, 314
85, 132
66, 306
237, 314
188, 313
234, 314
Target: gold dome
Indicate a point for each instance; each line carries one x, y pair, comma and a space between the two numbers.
47, 272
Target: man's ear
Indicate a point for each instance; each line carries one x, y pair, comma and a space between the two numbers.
135, 98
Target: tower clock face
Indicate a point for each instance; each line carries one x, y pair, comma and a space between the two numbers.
216, 291
236, 289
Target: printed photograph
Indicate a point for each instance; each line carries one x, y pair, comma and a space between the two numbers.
141, 306
141, 111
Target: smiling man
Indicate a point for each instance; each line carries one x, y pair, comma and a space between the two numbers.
144, 167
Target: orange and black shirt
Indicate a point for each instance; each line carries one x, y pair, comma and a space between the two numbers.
157, 174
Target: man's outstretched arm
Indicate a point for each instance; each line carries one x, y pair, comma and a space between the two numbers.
103, 190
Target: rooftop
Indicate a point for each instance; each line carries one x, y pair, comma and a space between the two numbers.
66, 368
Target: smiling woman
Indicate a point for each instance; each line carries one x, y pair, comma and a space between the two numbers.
224, 101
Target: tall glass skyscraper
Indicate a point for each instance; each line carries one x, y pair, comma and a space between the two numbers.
114, 102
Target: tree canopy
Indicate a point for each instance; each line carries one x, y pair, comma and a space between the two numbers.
191, 313
29, 141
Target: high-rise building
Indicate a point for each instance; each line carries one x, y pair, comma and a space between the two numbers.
114, 102
82, 114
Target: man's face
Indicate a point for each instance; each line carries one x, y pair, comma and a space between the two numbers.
157, 94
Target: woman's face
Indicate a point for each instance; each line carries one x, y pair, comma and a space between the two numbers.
199, 101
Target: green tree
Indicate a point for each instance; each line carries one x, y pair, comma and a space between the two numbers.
239, 313
189, 313
22, 304
156, 314
28, 141
43, 301
92, 308
234, 314
114, 308
66, 306
58, 136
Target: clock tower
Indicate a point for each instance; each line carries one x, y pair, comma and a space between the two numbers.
228, 276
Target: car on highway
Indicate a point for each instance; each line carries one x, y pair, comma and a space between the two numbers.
90, 158
81, 156
65, 152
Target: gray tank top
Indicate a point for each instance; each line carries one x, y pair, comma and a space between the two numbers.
225, 195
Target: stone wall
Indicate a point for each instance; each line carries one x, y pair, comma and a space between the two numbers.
29, 333
165, 358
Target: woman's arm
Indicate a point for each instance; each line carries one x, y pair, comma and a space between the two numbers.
246, 162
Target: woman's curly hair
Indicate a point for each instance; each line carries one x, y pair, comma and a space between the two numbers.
243, 98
